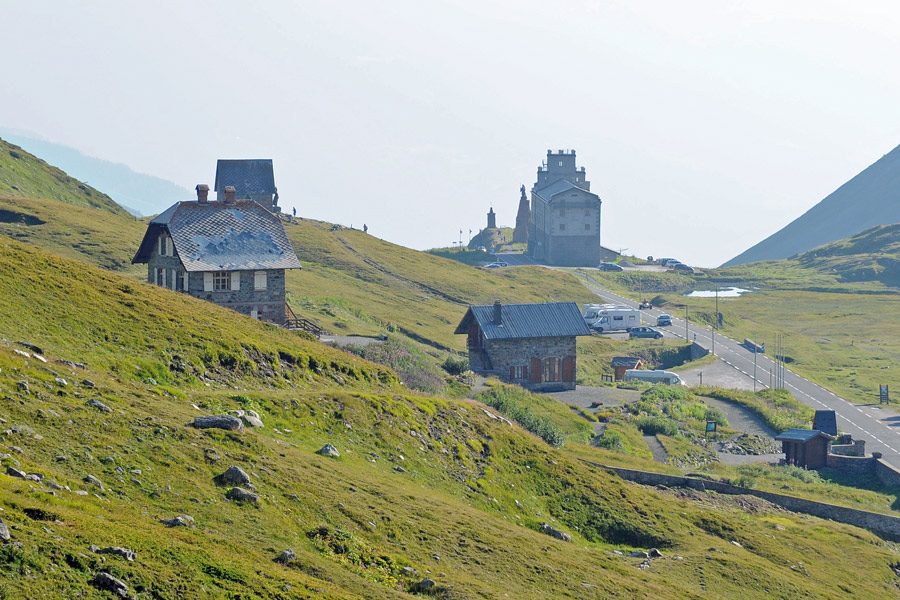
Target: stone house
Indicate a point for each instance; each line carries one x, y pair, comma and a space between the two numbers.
231, 252
251, 178
532, 345
565, 214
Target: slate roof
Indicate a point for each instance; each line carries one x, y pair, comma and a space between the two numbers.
825, 420
626, 361
215, 236
801, 435
247, 175
552, 319
558, 187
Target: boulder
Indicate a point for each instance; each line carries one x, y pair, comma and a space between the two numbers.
93, 481
654, 553
328, 450
424, 585
88, 383
286, 557
99, 405
176, 522
239, 494
227, 422
233, 476
639, 554
107, 582
22, 385
251, 419
125, 553
4, 531
560, 535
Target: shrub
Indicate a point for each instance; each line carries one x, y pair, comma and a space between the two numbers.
455, 364
410, 364
503, 399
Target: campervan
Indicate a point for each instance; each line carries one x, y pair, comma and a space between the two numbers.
610, 317
659, 376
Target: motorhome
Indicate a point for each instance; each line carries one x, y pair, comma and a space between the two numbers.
610, 317
658, 376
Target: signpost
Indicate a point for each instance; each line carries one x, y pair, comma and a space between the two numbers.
884, 396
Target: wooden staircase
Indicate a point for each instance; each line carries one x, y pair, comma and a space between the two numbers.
294, 323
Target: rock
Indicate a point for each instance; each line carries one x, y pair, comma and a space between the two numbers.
21, 353
424, 585
227, 422
88, 383
639, 554
31, 347
654, 553
12, 472
105, 581
93, 481
560, 535
176, 522
286, 557
409, 571
125, 553
735, 542
233, 476
61, 381
251, 419
22, 385
109, 460
328, 450
294, 497
239, 494
4, 531
99, 405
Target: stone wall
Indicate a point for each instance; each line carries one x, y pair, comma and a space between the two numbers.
886, 472
858, 465
698, 351
857, 448
268, 303
508, 353
885, 526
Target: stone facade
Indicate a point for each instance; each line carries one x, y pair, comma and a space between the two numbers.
539, 364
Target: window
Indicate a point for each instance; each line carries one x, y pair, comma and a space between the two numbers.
562, 212
521, 373
221, 281
587, 226
162, 245
587, 212
562, 226
169, 250
618, 318
259, 280
159, 276
551, 369
560, 163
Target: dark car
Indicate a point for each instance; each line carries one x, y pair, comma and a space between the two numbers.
682, 267
663, 320
644, 332
606, 266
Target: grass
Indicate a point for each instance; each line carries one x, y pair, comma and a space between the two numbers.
777, 408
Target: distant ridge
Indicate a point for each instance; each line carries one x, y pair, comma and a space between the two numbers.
139, 193
869, 199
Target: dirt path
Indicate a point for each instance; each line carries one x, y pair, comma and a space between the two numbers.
656, 449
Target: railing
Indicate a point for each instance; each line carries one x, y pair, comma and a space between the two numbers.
292, 321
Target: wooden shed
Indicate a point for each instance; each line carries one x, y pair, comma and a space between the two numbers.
806, 448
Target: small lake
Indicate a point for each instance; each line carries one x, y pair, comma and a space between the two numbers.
729, 292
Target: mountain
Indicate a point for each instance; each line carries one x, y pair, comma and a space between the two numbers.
140, 193
23, 175
871, 198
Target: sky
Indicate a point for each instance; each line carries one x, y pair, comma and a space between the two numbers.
704, 126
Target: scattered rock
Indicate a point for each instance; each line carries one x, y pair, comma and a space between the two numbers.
560, 535
227, 422
735, 542
639, 554
176, 522
88, 383
61, 381
4, 531
251, 419
409, 571
328, 450
99, 405
286, 557
239, 494
294, 497
424, 585
125, 553
105, 581
12, 472
233, 476
654, 553
22, 385
21, 353
31, 347
93, 481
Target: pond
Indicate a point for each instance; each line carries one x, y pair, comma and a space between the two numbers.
729, 292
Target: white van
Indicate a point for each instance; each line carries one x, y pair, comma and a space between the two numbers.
667, 377
609, 317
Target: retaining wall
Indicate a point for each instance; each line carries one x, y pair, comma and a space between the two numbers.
885, 526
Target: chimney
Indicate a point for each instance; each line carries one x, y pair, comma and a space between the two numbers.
498, 313
229, 194
202, 193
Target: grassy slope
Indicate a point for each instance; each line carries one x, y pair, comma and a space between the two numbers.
464, 509
23, 175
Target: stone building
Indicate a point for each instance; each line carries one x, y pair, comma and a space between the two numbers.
805, 448
231, 252
523, 218
252, 179
532, 345
565, 215
492, 219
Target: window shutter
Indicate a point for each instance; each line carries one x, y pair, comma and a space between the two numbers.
207, 281
535, 370
162, 245
259, 280
235, 281
186, 279
512, 373
568, 369
169, 251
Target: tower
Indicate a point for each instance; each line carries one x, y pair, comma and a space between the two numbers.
520, 234
492, 219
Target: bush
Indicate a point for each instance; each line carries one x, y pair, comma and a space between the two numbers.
656, 425
410, 364
455, 364
611, 440
503, 399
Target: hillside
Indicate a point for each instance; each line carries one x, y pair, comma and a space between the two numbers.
23, 175
143, 193
424, 487
867, 200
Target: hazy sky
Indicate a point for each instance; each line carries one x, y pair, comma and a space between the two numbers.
703, 126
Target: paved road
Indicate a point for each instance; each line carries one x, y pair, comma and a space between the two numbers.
879, 427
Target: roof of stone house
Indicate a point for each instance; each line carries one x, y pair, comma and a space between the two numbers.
626, 361
558, 187
825, 420
552, 319
247, 175
801, 435
215, 236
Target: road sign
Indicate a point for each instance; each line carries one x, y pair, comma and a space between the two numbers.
710, 427
884, 396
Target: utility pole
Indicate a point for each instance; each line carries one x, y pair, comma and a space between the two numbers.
686, 337
716, 323
754, 365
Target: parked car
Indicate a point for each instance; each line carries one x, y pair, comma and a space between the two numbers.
645, 304
663, 320
682, 267
644, 332
607, 266
493, 265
